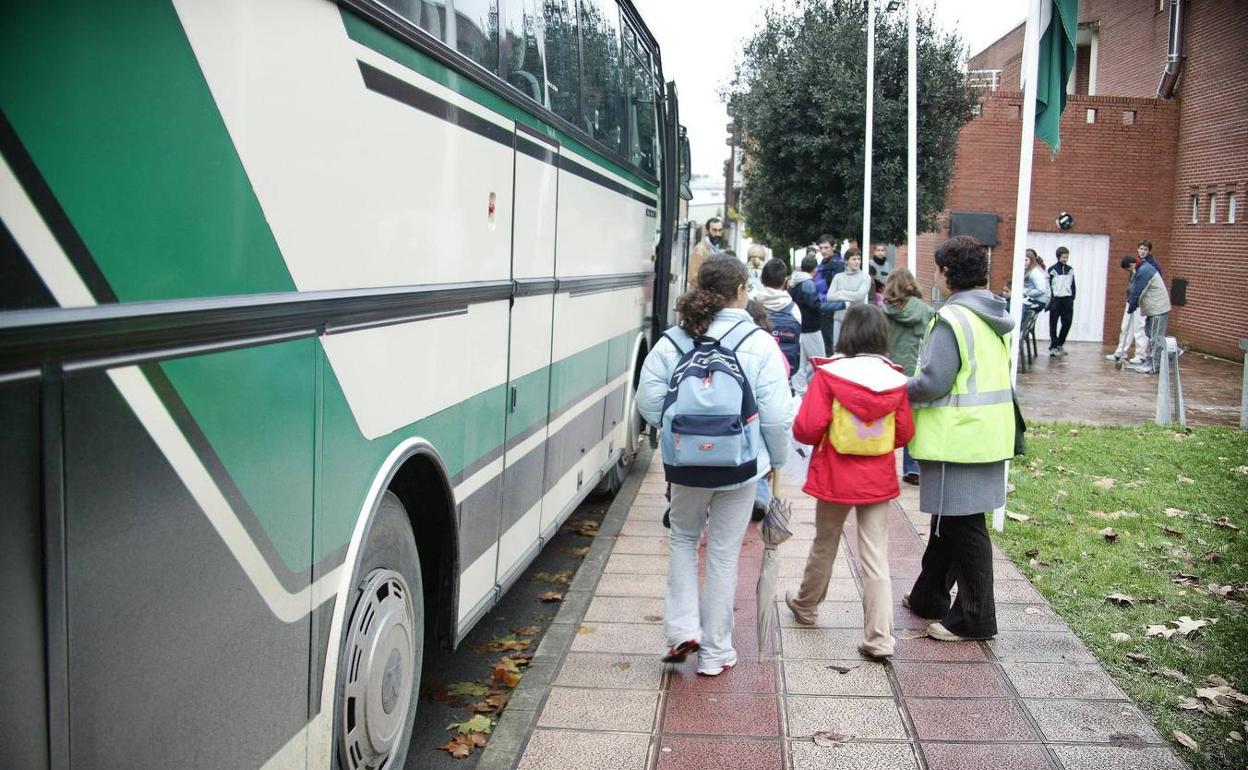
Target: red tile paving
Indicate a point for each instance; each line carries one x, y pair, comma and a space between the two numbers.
926, 679
748, 676
721, 714
950, 719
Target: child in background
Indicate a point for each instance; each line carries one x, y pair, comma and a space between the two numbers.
855, 414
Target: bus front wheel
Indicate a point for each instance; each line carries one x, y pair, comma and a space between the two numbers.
382, 647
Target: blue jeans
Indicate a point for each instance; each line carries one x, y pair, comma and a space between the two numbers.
908, 463
762, 495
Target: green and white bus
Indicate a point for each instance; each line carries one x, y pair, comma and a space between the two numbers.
317, 319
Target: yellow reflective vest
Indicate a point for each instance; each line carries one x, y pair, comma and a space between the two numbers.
974, 422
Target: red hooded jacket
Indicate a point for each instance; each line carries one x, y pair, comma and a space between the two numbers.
870, 387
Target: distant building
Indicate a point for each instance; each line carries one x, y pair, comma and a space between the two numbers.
1131, 166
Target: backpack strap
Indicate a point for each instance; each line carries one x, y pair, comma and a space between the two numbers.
753, 328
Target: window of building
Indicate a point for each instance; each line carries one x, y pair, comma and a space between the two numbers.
1128, 117
1231, 210
524, 47
1213, 209
1091, 115
563, 60
1195, 208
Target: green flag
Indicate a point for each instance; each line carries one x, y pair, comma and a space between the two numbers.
1059, 20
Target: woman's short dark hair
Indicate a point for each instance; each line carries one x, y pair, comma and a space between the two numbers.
719, 279
864, 330
964, 263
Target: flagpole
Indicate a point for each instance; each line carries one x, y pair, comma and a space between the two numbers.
866, 173
912, 161
1022, 206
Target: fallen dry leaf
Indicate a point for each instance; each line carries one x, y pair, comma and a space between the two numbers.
1109, 534
1186, 626
1017, 516
1119, 636
583, 527
563, 576
652, 618
1037, 564
828, 739
509, 643
580, 553
464, 689
478, 724
841, 669
1137, 657
550, 596
1185, 480
584, 629
1189, 704
1235, 737
507, 671
1165, 631
1034, 611
1112, 515
1171, 531
1032, 553
622, 665
1176, 513
1170, 673
1121, 600
1225, 523
1211, 557
1184, 578
528, 630
1186, 740
1104, 482
463, 744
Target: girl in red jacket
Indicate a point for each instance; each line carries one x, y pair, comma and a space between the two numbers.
855, 414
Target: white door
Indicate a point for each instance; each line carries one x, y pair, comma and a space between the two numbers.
1089, 256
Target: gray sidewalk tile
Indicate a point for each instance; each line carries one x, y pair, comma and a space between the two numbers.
636, 638
630, 711
1042, 647
863, 718
624, 584
839, 589
824, 677
569, 750
986, 756
643, 528
653, 546
821, 643
634, 564
1062, 680
1090, 721
611, 670
925, 648
853, 756
623, 609
678, 752
1116, 758
1028, 617
831, 615
1015, 592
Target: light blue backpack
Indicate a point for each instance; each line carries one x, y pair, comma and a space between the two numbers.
710, 421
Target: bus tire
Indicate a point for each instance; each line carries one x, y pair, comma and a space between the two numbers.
382, 647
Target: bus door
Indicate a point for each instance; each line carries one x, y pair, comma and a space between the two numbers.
529, 370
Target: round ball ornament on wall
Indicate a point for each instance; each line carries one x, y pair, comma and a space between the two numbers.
1065, 221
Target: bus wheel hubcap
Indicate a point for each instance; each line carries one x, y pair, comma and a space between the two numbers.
376, 671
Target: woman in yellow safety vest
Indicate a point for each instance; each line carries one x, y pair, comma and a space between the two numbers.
963, 434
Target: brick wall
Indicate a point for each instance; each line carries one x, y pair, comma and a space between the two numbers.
1212, 158
1195, 144
1093, 177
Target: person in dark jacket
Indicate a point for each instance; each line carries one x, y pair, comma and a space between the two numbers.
1061, 302
1148, 293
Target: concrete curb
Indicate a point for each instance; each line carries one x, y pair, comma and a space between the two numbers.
511, 734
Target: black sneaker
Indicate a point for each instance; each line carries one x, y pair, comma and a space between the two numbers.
667, 518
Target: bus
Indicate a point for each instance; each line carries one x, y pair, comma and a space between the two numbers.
317, 319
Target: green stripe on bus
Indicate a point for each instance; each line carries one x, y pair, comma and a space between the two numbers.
109, 100
370, 36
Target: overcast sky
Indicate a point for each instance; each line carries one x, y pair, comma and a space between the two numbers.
701, 40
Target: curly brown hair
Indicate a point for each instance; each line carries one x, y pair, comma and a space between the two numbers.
900, 286
719, 280
964, 261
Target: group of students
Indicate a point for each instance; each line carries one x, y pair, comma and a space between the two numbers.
901, 376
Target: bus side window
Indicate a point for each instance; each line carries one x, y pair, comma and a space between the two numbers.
429, 15
601, 82
476, 31
563, 60
642, 131
524, 48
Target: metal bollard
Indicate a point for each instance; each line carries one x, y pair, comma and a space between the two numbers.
1243, 396
1170, 407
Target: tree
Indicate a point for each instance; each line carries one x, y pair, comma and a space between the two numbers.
799, 94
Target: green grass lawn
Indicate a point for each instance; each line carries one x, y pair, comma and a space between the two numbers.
1170, 565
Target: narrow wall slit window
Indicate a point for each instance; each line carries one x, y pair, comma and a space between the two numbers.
1195, 208
1213, 209
1231, 210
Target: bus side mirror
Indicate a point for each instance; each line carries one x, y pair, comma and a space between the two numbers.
685, 165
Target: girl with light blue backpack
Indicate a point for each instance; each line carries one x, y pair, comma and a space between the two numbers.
716, 387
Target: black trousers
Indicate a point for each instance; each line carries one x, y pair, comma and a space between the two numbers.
1060, 309
961, 554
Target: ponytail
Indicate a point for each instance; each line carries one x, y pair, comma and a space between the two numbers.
719, 278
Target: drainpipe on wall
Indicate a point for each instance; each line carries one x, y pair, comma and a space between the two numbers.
1174, 55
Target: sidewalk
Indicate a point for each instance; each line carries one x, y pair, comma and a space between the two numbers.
1031, 698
